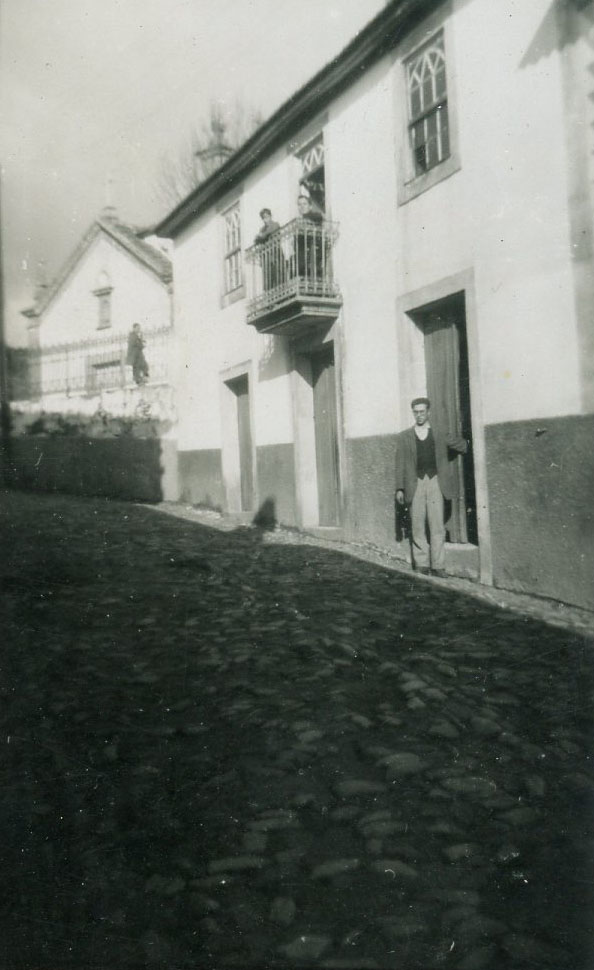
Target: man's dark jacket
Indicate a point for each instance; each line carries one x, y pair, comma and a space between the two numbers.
447, 446
266, 232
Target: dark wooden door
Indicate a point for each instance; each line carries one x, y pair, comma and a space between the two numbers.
326, 435
448, 389
240, 388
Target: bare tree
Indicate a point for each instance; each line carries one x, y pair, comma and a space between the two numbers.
205, 150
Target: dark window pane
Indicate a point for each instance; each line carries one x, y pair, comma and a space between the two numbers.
428, 92
420, 160
415, 102
431, 152
418, 134
440, 82
445, 132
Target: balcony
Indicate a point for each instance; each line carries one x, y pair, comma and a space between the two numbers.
291, 283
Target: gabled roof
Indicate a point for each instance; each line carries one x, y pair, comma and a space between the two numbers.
123, 236
132, 240
386, 30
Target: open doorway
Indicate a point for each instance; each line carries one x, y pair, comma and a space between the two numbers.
243, 458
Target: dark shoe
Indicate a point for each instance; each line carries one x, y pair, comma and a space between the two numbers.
423, 570
440, 573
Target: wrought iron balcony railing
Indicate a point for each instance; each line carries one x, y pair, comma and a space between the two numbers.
87, 367
294, 264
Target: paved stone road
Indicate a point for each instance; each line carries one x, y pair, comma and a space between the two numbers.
227, 749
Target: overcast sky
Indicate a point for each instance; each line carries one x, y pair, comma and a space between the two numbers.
92, 89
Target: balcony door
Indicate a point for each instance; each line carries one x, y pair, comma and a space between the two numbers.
326, 435
312, 180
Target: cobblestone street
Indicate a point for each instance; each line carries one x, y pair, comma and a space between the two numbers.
228, 748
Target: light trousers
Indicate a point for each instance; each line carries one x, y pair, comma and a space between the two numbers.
427, 509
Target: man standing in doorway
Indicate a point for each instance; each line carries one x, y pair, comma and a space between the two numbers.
425, 476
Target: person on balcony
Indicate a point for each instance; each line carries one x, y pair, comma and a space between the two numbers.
135, 357
269, 226
269, 256
309, 241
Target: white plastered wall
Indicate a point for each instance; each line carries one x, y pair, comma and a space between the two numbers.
504, 214
137, 296
215, 337
361, 185
502, 218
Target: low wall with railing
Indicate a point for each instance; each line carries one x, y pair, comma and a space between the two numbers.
112, 437
86, 368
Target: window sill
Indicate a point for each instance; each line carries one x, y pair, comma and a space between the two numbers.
233, 297
422, 183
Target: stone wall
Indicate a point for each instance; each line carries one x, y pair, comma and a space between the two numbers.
137, 469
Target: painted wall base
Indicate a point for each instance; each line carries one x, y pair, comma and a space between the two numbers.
201, 478
541, 478
371, 512
276, 482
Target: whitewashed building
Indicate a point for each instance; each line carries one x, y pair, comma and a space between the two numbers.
78, 327
449, 149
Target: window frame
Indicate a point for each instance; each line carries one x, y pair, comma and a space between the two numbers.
233, 287
104, 321
424, 70
412, 183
